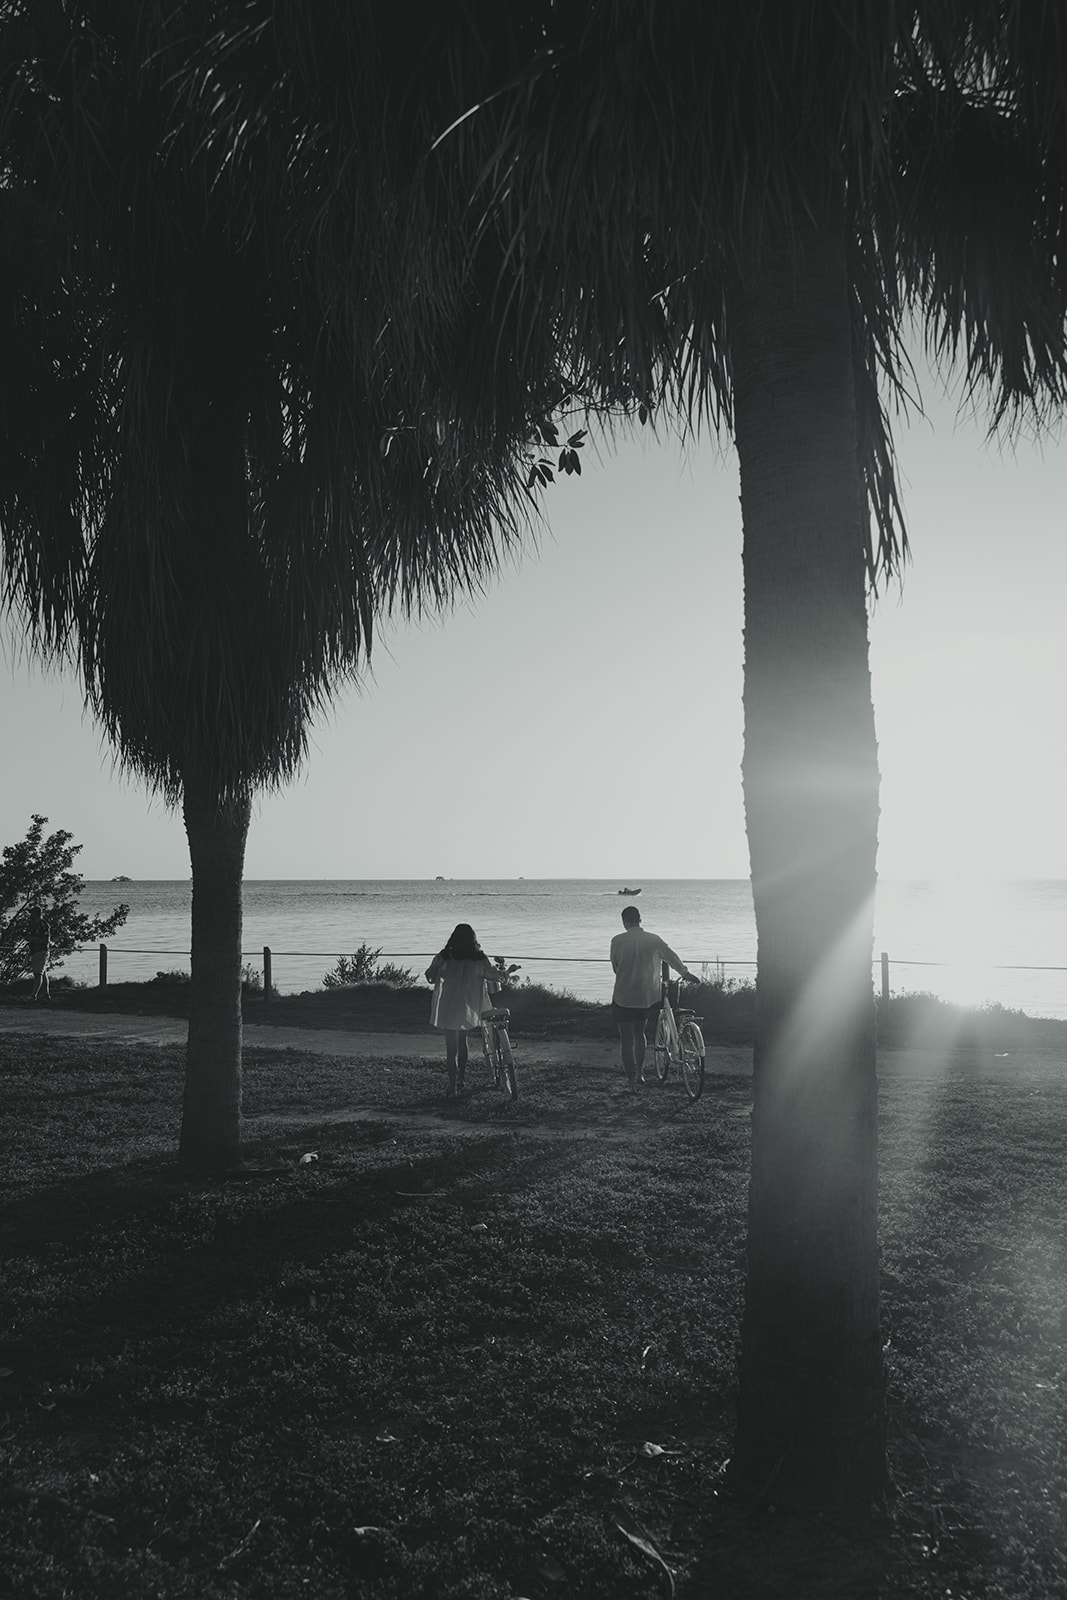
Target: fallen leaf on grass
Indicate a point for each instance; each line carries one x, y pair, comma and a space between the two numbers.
547, 1566
633, 1531
651, 1450
308, 1157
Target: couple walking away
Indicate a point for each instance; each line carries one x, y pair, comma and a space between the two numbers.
465, 980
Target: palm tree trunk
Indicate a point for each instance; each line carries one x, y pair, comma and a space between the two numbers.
811, 1427
211, 1110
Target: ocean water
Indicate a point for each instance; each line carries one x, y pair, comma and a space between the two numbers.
967, 940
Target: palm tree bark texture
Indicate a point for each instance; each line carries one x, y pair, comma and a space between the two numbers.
811, 1425
211, 1110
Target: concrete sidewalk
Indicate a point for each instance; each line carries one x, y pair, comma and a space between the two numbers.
58, 1021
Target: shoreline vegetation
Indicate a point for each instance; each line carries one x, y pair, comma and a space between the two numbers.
540, 1012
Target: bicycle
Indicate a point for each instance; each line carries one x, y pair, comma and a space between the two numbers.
679, 1040
496, 1047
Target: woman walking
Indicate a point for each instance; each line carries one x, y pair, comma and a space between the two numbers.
463, 978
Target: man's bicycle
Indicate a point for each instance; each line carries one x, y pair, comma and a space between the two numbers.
678, 1040
496, 1047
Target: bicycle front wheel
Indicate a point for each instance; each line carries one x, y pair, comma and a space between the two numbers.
691, 1042
661, 1050
507, 1063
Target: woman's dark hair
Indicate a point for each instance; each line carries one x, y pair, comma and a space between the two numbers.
462, 944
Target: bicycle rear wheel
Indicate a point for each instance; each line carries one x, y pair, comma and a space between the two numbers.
661, 1049
691, 1042
506, 1063
488, 1050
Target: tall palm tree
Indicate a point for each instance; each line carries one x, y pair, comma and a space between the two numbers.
735, 214
278, 465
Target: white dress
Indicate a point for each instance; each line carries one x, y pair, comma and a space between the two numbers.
461, 992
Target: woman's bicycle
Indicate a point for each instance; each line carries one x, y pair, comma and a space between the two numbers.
496, 1047
678, 1040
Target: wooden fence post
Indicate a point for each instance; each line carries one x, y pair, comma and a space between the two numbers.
103, 966
266, 972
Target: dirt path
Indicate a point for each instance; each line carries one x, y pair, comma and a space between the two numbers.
126, 1029
912, 1061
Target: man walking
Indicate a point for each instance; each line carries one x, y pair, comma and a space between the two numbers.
637, 958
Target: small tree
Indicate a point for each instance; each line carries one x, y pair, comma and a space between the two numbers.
38, 870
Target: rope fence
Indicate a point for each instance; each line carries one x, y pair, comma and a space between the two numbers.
718, 964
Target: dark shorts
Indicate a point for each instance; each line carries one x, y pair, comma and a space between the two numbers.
630, 1014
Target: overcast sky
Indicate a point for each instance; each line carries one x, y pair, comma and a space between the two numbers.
523, 735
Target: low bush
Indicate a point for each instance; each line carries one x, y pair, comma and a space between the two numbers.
919, 1018
728, 1006
366, 966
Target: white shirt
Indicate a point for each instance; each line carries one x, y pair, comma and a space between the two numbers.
637, 957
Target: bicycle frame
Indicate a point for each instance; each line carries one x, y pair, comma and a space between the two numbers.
667, 1025
679, 1041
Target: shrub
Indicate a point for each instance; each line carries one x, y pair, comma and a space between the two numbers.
365, 966
728, 1006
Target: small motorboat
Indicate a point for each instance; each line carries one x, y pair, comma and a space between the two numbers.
628, 891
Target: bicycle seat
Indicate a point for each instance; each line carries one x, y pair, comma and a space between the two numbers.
496, 1014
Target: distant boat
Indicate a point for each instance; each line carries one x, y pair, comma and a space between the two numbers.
628, 891
122, 878
439, 879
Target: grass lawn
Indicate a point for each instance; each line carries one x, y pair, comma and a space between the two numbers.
488, 1350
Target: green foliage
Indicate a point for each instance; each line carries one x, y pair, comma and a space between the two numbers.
727, 1005
542, 472
38, 870
505, 972
917, 1017
365, 966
